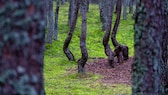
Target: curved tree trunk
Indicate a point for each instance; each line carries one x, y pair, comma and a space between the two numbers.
106, 37
67, 52
120, 51
22, 34
56, 19
83, 59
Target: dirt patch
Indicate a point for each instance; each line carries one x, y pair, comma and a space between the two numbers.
121, 73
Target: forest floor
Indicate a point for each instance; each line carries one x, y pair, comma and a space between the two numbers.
120, 74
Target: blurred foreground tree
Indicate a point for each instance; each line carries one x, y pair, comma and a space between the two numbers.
22, 30
148, 69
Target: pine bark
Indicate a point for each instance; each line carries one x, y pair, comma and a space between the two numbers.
165, 47
103, 6
106, 37
66, 50
148, 60
83, 59
120, 51
22, 33
50, 22
72, 7
56, 19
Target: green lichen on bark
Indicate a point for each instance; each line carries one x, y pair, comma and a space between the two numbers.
22, 29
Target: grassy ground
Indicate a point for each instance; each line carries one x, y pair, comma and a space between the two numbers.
58, 79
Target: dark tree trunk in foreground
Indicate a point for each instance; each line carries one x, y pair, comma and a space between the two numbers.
56, 19
106, 37
165, 47
83, 59
120, 51
147, 66
67, 52
22, 30
51, 22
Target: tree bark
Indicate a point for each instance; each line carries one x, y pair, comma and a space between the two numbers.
22, 33
83, 59
131, 6
67, 52
120, 51
125, 9
56, 19
51, 22
107, 48
165, 47
148, 60
103, 6
71, 11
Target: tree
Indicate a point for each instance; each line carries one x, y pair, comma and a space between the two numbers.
56, 19
120, 51
106, 37
83, 59
66, 50
22, 30
71, 11
165, 47
147, 66
125, 3
103, 6
51, 22
131, 3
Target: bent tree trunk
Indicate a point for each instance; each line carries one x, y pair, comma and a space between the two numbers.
83, 59
148, 60
67, 52
120, 51
22, 36
107, 48
56, 19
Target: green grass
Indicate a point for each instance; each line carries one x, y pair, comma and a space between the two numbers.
59, 74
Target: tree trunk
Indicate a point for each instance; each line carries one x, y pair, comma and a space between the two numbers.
165, 47
148, 61
51, 22
46, 11
103, 6
22, 31
67, 52
120, 51
106, 37
83, 59
71, 11
56, 19
131, 6
125, 9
